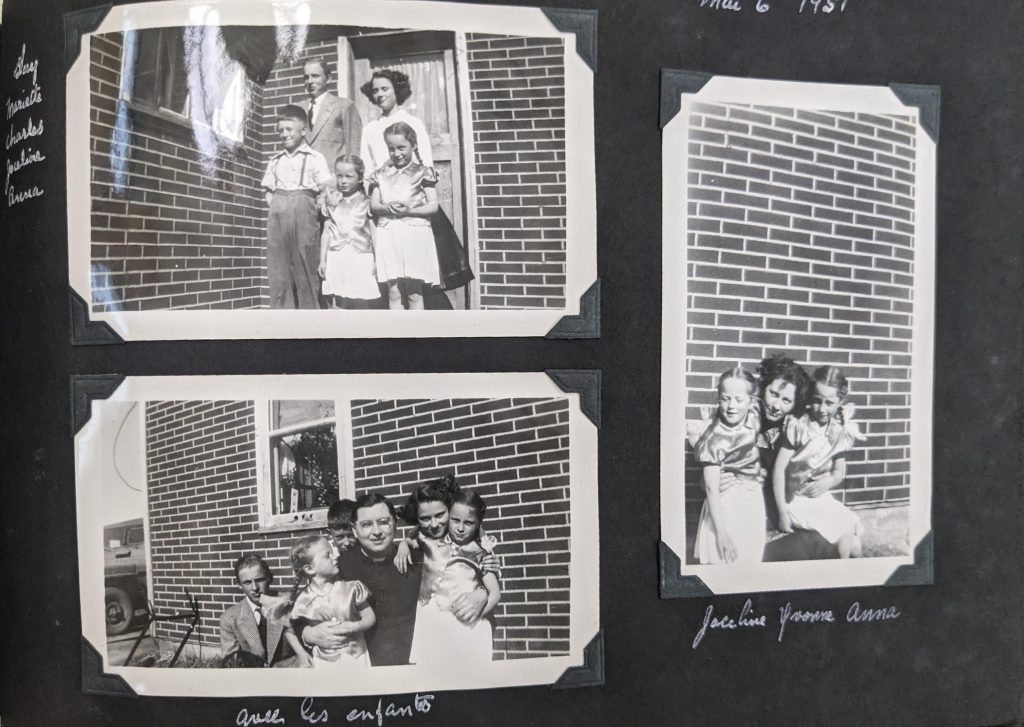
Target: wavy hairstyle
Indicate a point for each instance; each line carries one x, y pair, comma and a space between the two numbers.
399, 82
443, 489
778, 366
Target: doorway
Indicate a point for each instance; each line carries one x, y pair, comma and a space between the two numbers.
428, 58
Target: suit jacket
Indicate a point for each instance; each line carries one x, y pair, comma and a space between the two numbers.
338, 129
239, 632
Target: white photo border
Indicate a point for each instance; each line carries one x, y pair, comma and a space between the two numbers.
792, 575
581, 194
202, 682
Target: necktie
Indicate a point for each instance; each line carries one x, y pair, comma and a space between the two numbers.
261, 626
312, 105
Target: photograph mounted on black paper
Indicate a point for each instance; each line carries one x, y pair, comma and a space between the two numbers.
273, 170
798, 298
444, 526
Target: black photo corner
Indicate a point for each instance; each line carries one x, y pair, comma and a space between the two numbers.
138, 265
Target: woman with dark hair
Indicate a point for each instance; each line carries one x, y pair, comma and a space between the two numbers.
388, 90
783, 385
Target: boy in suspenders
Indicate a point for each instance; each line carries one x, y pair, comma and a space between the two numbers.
293, 178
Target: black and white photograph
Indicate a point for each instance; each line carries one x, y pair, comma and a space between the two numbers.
272, 171
313, 529
797, 329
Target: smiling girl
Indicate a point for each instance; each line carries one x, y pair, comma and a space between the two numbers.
812, 461
731, 527
403, 198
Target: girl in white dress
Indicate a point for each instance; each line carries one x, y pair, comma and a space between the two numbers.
346, 243
732, 521
812, 461
403, 196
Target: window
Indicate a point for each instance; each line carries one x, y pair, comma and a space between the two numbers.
303, 456
154, 71
155, 76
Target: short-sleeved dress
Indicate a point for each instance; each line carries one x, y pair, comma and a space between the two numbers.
741, 479
349, 267
405, 245
440, 636
337, 601
815, 447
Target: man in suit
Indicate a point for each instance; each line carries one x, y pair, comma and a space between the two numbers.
243, 627
334, 125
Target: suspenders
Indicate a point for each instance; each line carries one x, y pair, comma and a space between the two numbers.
302, 170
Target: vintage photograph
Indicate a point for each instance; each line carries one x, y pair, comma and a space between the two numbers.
371, 157
799, 266
312, 525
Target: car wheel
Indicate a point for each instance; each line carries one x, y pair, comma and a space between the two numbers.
119, 611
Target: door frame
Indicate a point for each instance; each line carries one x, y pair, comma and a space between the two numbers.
463, 175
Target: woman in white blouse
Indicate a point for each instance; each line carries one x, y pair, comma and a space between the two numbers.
388, 90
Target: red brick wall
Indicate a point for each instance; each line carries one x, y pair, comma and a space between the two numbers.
203, 499
174, 232
517, 100
801, 241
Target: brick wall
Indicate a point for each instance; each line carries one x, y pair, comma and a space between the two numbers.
175, 231
517, 101
801, 241
202, 494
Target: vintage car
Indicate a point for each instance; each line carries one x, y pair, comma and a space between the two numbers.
124, 568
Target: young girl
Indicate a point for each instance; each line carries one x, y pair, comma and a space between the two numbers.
440, 635
403, 197
732, 527
812, 461
321, 595
783, 389
346, 244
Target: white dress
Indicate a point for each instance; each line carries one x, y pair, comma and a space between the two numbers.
405, 245
741, 482
815, 447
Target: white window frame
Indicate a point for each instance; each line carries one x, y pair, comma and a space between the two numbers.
310, 519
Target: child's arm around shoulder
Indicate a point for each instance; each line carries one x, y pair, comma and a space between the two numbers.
403, 558
493, 588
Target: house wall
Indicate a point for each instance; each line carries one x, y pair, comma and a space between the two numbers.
171, 228
517, 101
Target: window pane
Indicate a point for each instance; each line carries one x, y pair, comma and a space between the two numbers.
289, 413
305, 469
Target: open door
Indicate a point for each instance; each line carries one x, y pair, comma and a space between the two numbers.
428, 58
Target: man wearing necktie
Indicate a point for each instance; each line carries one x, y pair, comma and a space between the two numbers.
244, 627
335, 126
